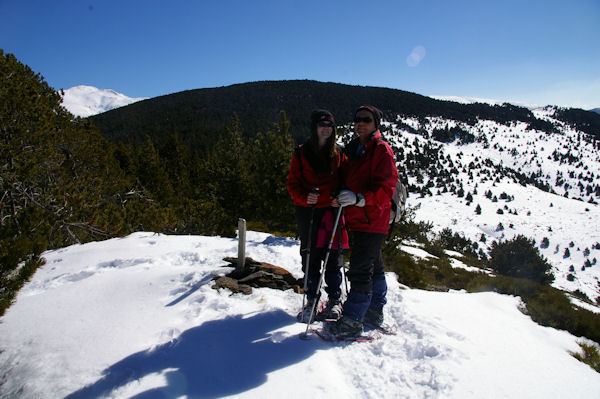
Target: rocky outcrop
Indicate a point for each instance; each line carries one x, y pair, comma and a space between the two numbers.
257, 274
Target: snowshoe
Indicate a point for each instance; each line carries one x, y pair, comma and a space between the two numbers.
373, 320
383, 328
344, 328
325, 335
373, 317
331, 312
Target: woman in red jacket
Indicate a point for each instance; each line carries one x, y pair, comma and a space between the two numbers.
370, 177
313, 183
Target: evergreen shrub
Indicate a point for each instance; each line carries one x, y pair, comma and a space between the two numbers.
520, 258
590, 355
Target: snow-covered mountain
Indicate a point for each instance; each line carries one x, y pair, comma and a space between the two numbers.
471, 100
85, 101
137, 317
545, 186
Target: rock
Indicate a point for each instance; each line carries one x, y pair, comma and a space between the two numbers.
253, 276
259, 274
232, 285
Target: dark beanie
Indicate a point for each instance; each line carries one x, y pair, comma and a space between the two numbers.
377, 114
321, 115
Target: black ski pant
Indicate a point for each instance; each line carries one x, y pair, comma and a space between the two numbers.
366, 275
333, 276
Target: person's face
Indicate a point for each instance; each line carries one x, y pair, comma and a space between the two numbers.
324, 130
364, 124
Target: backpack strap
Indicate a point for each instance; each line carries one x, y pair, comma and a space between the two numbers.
394, 205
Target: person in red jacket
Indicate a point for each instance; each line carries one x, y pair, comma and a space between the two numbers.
370, 179
313, 183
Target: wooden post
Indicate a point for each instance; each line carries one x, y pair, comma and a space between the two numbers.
241, 243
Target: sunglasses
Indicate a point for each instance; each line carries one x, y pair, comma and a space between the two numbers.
325, 124
366, 119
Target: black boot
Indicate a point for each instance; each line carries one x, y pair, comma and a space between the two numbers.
345, 328
374, 317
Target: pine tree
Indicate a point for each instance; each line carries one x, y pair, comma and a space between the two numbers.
59, 180
519, 258
177, 161
223, 175
270, 155
152, 173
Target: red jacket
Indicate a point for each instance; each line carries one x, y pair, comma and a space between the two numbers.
302, 178
372, 173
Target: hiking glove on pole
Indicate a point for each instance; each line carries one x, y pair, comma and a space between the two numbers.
347, 197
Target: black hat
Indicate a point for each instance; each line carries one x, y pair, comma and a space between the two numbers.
377, 114
321, 115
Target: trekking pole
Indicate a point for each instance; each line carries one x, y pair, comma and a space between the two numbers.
323, 268
341, 256
345, 279
307, 249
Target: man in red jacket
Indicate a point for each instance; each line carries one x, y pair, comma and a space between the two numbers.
370, 178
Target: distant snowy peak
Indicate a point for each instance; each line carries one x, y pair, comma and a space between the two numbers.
85, 101
472, 100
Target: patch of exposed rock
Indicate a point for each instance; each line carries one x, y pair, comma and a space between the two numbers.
257, 274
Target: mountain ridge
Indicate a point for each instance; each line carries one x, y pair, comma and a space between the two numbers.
86, 105
196, 115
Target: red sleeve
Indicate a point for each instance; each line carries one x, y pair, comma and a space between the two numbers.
343, 170
384, 176
294, 182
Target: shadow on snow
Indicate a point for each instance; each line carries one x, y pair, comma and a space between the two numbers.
281, 241
205, 280
218, 358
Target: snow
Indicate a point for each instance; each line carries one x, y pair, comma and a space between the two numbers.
567, 217
472, 100
137, 317
85, 100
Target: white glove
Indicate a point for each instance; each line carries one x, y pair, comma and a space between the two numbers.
347, 197
360, 200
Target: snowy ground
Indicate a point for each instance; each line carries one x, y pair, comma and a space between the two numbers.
566, 218
136, 317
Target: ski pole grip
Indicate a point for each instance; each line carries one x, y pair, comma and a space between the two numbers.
314, 190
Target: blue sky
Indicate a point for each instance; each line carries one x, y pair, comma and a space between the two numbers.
542, 52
